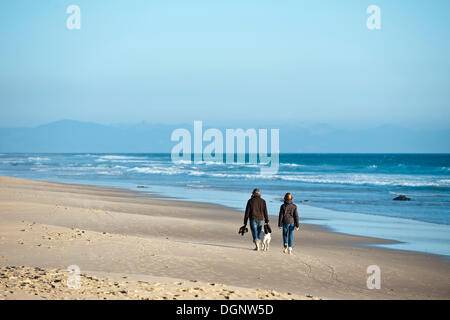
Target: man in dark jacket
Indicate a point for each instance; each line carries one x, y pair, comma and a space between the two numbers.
288, 220
256, 211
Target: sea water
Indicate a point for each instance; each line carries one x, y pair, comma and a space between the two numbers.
348, 193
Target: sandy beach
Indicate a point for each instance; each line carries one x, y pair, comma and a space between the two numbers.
130, 245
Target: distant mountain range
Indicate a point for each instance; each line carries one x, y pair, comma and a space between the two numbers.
76, 137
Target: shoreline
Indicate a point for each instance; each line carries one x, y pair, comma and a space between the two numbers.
157, 196
200, 238
387, 242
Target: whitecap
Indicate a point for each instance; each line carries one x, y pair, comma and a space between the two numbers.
182, 162
355, 179
156, 170
38, 159
291, 165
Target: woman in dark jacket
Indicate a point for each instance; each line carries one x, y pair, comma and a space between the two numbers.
288, 220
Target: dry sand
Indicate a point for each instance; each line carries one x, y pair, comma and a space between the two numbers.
131, 246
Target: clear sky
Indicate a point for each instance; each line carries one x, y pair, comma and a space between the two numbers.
226, 62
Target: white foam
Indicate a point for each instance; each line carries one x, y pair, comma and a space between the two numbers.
124, 160
110, 173
196, 173
156, 170
360, 179
38, 159
117, 158
291, 165
182, 162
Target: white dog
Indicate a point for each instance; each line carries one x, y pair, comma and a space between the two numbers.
266, 241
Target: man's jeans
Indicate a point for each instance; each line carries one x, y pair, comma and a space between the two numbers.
256, 227
288, 234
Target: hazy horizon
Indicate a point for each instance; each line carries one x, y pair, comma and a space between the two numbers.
237, 124
70, 136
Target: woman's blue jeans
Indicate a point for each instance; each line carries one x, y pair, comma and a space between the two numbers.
288, 234
256, 227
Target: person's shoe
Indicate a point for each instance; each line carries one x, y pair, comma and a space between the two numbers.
285, 249
290, 251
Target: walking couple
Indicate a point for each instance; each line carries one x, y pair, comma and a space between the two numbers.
256, 212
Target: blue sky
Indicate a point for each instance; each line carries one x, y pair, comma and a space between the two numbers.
226, 62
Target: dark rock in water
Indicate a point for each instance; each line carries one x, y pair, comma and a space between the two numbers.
402, 197
141, 187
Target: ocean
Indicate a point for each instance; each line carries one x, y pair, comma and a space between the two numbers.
348, 193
